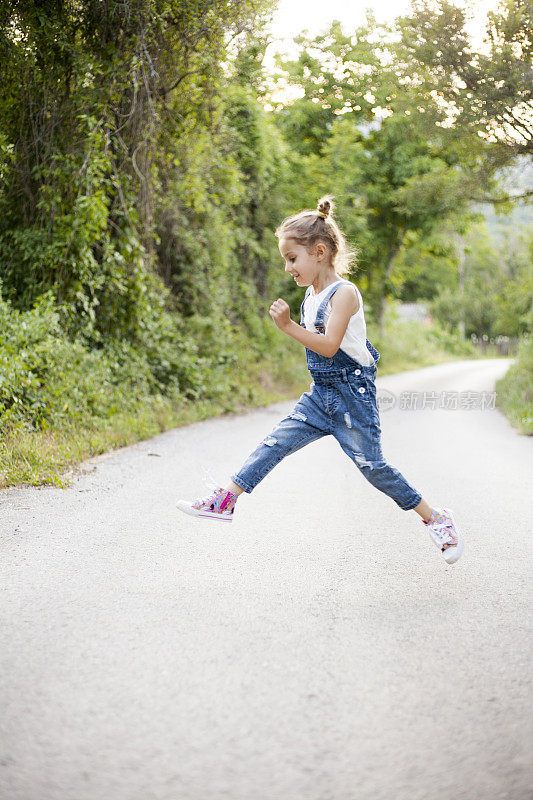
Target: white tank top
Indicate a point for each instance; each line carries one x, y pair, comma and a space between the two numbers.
354, 340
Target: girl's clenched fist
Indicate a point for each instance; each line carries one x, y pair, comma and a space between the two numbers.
280, 313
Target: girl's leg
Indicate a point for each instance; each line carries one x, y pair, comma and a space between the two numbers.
358, 432
307, 422
233, 488
303, 425
424, 510
384, 477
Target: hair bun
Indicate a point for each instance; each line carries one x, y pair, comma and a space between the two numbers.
325, 206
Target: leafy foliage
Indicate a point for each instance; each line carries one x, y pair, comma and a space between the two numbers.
143, 175
515, 389
497, 297
490, 93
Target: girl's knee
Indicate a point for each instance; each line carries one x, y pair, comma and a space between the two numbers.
364, 462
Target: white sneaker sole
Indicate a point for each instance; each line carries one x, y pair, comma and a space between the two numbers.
187, 508
456, 552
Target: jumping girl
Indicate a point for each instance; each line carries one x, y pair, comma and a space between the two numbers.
342, 396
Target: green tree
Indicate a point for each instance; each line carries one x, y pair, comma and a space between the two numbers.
497, 297
97, 95
399, 188
400, 172
426, 265
487, 93
514, 303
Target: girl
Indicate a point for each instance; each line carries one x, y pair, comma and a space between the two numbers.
342, 396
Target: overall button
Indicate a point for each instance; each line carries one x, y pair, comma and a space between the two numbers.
362, 389
357, 372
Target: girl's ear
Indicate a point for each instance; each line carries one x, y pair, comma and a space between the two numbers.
320, 250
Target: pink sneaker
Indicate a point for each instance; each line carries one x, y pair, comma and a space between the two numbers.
220, 504
445, 534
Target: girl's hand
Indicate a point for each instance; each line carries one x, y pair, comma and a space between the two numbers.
280, 313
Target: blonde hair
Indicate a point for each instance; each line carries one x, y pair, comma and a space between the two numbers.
310, 227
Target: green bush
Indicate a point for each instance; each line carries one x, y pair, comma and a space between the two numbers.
47, 381
51, 382
412, 344
515, 389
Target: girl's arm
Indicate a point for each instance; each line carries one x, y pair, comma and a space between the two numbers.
344, 304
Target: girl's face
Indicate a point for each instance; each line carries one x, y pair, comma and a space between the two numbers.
303, 266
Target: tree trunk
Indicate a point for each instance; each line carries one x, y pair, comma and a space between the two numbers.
381, 314
461, 253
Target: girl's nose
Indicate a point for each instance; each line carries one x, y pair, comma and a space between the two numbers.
287, 268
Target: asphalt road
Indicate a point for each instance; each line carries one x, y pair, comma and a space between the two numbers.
317, 648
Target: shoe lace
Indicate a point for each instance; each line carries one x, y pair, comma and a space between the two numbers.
210, 483
444, 531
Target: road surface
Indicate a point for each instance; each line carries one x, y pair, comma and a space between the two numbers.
317, 648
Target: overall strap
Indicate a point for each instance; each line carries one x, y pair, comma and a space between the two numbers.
319, 321
373, 352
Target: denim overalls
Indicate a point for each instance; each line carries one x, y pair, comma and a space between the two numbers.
341, 402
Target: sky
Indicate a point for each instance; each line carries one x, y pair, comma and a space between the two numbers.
294, 16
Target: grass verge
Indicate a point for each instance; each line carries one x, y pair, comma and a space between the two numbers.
514, 392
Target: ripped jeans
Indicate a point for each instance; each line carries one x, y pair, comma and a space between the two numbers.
343, 404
